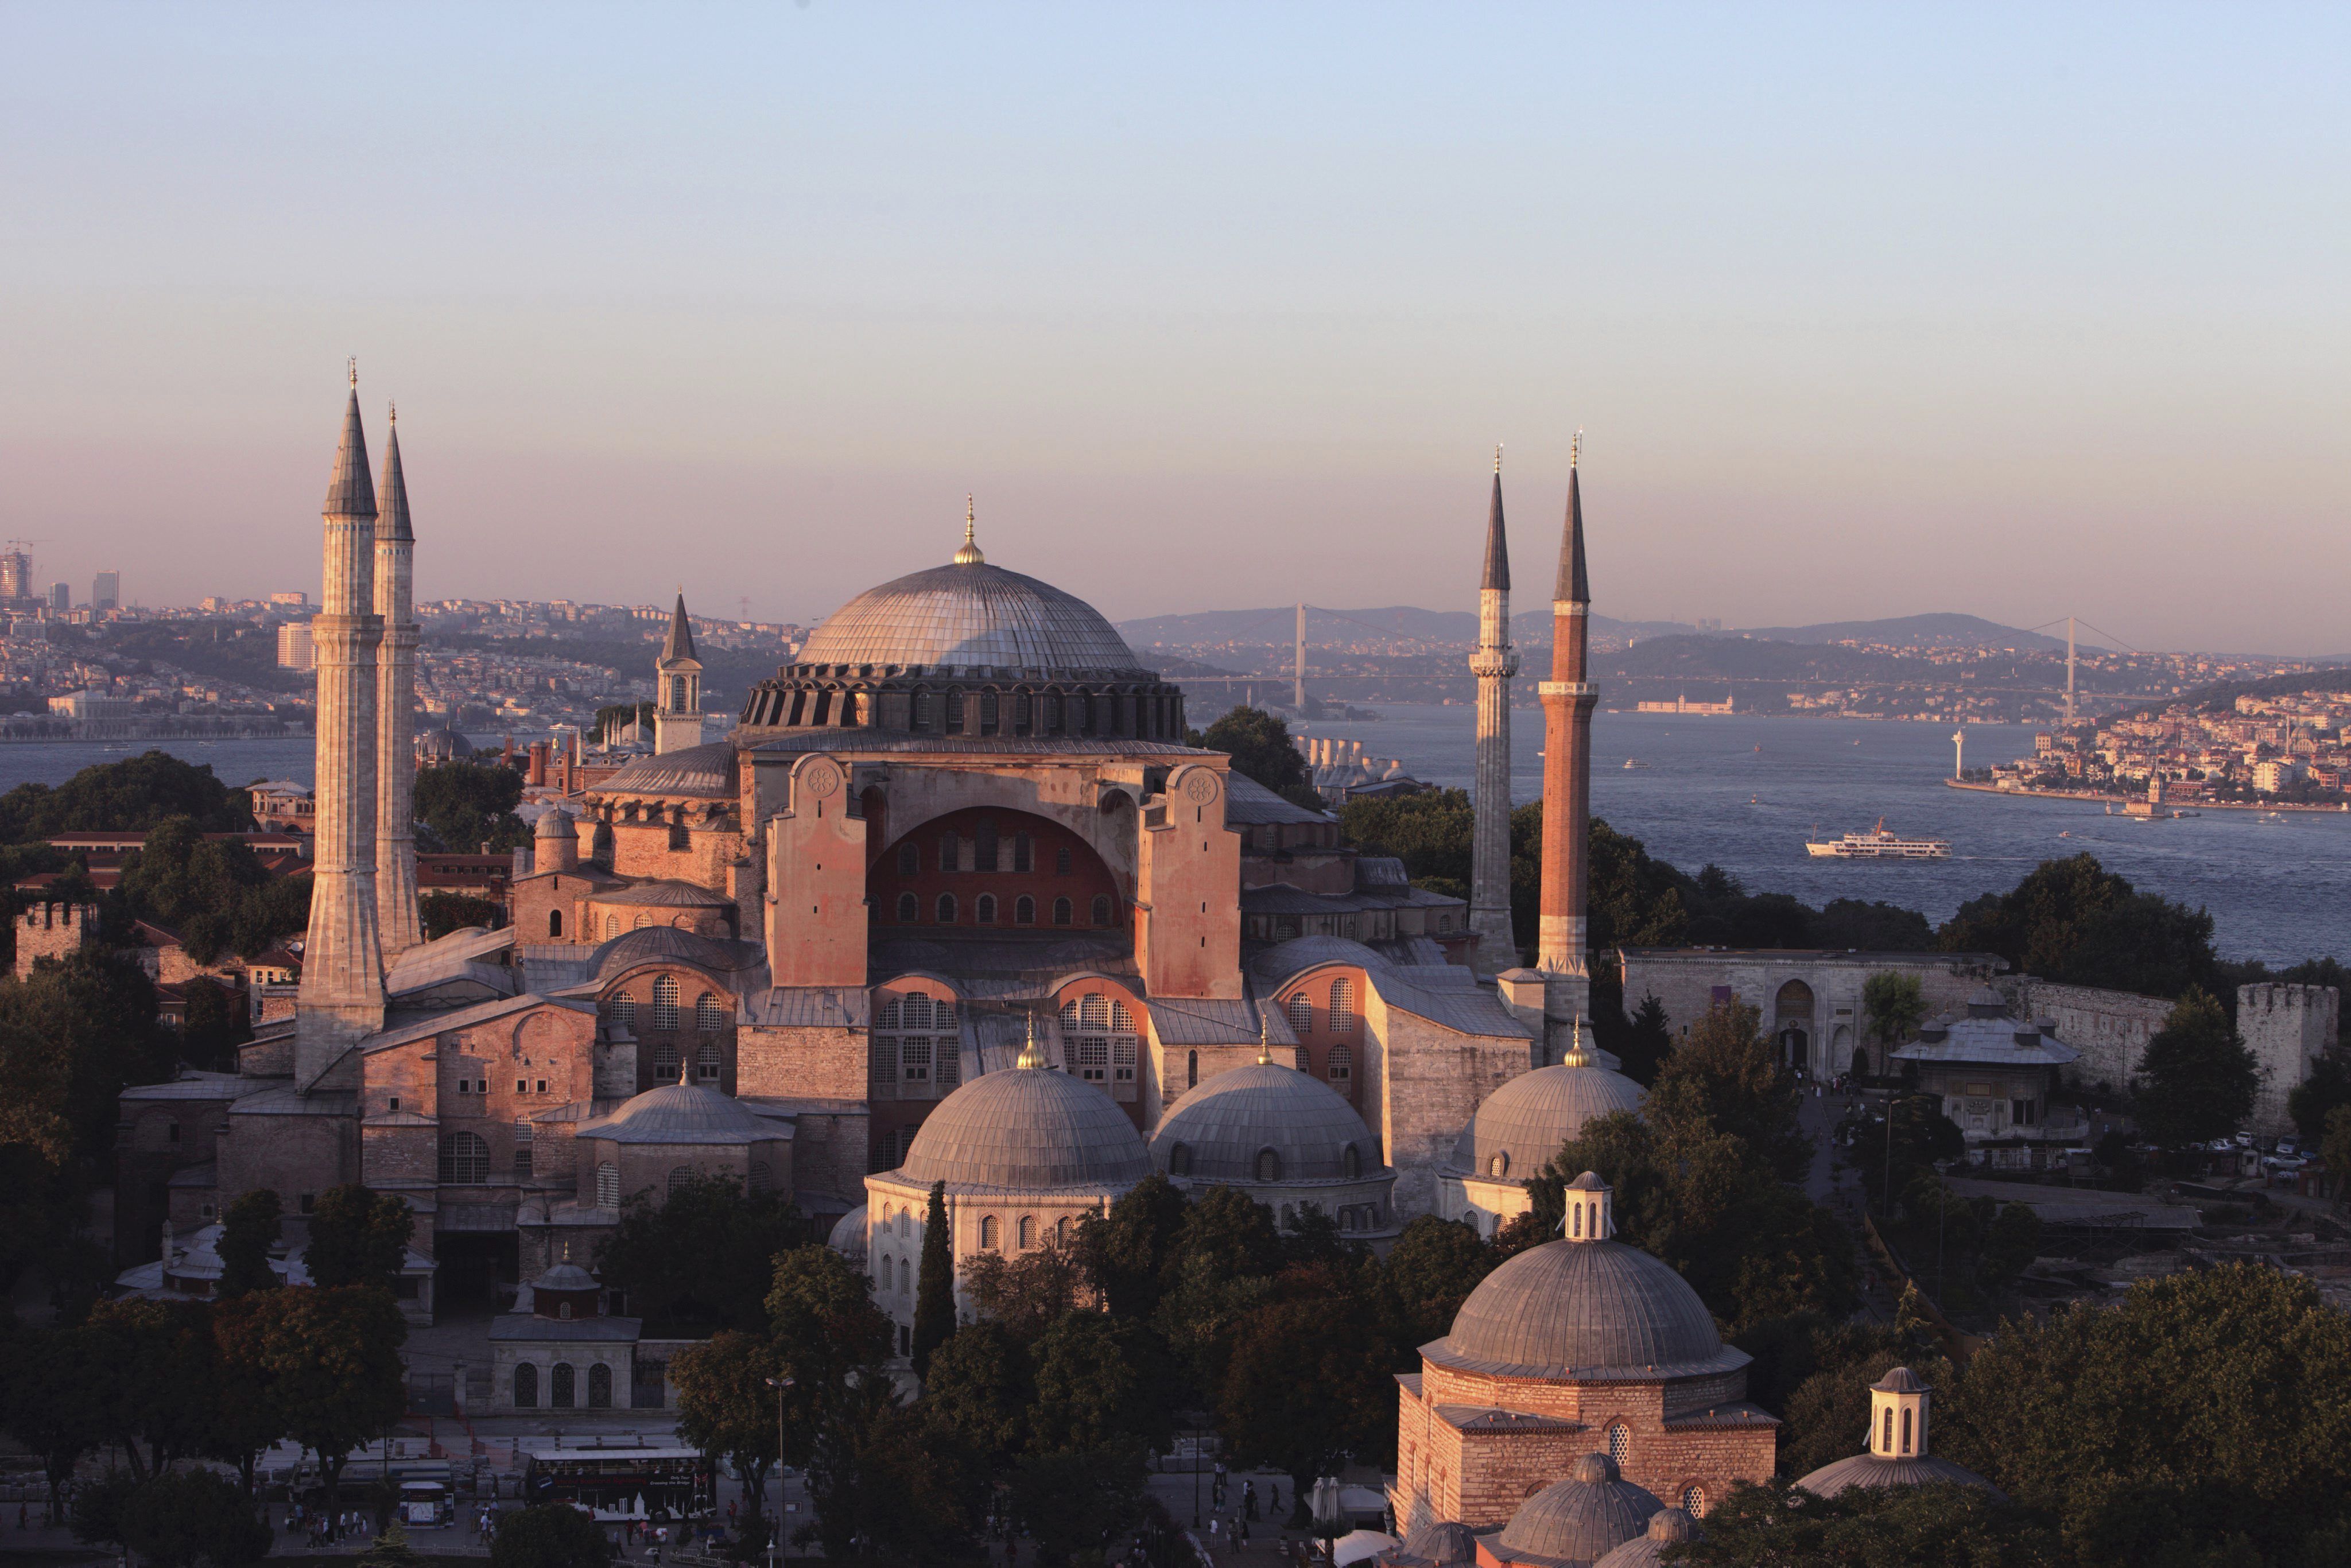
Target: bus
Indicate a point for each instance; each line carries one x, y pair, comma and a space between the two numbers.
621, 1483
426, 1503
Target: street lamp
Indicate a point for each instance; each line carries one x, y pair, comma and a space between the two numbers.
778, 1385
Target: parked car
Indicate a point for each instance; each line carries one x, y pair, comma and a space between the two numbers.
2287, 1147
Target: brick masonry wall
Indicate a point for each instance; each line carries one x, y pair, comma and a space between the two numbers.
816, 1063
1428, 1081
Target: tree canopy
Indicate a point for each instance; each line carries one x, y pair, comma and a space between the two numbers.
468, 805
2075, 921
137, 792
2196, 1080
357, 1236
699, 1256
1259, 745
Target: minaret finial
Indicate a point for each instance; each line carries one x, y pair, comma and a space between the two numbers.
392, 410
1575, 448
1576, 1055
1498, 458
1264, 1039
969, 555
352, 364
1030, 1056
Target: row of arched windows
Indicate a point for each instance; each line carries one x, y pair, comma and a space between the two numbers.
711, 1016
986, 910
1026, 1231
982, 852
562, 1386
1340, 1017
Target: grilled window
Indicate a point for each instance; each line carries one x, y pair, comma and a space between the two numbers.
522, 1146
1093, 1011
665, 1003
984, 910
709, 1014
624, 1010
1061, 861
1023, 855
984, 846
947, 909
1093, 1057
1269, 1166
707, 1061
1301, 1013
464, 1160
1343, 1005
608, 1186
1102, 909
950, 849
1024, 911
910, 859
600, 1388
907, 909
560, 1386
1341, 1064
989, 1229
680, 1178
915, 1060
525, 1386
1062, 913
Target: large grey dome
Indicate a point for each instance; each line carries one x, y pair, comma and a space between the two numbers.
682, 1113
1030, 1129
1525, 1121
972, 614
1586, 1307
1580, 1520
1221, 1128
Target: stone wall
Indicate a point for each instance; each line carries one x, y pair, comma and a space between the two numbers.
2110, 1029
1814, 993
52, 931
2286, 1027
1426, 1081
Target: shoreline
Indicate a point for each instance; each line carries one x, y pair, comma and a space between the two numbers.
2125, 799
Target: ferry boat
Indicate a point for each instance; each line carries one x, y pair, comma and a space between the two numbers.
1878, 844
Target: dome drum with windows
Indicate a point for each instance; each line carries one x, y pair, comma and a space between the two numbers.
967, 649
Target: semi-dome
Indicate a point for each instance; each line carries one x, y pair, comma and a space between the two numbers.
1668, 1527
682, 1113
1522, 1124
658, 944
1588, 1308
971, 613
1580, 1520
1220, 1131
848, 1235
1033, 1128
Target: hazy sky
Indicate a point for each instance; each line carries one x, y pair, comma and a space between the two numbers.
1866, 310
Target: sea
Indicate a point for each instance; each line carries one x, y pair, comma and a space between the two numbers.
1744, 793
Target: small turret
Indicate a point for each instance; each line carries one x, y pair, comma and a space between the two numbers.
677, 680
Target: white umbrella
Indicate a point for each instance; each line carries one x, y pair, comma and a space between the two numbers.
1359, 1546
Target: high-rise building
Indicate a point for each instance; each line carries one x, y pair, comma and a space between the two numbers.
106, 591
16, 574
60, 597
294, 651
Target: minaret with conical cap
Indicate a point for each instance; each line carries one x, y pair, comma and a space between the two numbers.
1568, 698
397, 917
678, 677
341, 999
1493, 663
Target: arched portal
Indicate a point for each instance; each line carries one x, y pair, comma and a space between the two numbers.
1791, 1016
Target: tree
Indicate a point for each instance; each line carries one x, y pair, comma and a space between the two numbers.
1426, 1275
913, 1494
1260, 748
1941, 1525
198, 886
1126, 1253
1919, 1135
1430, 832
137, 792
935, 1307
831, 1341
250, 1226
49, 1396
702, 1257
1304, 1388
470, 805
246, 1417
2196, 1081
89, 1022
215, 1024
980, 1389
724, 1406
1222, 1267
2335, 1151
1073, 1502
548, 1535
2075, 921
1892, 1004
357, 1236
332, 1355
2011, 1244
1723, 1075
153, 1366
1028, 1293
2311, 1101
1647, 1041
2202, 1418
1102, 1383
443, 913
1872, 926
2147, 945
184, 1518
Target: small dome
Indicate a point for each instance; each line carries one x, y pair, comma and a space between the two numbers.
1580, 1520
682, 1113
1525, 1121
1443, 1542
1667, 1527
848, 1236
1223, 1126
1869, 1471
1027, 1128
1584, 1307
443, 745
698, 772
564, 1276
555, 823
972, 613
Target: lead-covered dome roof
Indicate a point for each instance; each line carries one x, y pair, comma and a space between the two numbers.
684, 1113
1027, 1128
1225, 1124
1871, 1471
972, 614
1581, 1519
1669, 1528
1526, 1119
1590, 1308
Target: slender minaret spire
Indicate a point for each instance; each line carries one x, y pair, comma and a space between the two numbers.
395, 604
677, 678
1493, 663
1568, 698
341, 1000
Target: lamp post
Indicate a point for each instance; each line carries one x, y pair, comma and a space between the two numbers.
778, 1385
1195, 1473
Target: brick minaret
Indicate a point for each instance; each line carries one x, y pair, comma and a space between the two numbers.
395, 606
341, 1000
1568, 698
1493, 663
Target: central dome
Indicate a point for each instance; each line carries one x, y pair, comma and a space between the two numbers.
972, 614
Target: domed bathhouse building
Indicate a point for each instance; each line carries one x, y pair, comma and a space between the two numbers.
1025, 1152
1284, 1138
1898, 1455
1519, 1127
1579, 1345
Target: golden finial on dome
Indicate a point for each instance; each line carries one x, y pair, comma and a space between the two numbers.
1030, 1055
1264, 1039
969, 555
1576, 1056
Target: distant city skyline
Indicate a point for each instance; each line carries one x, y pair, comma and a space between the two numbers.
1866, 313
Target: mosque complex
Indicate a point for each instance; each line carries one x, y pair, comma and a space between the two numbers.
953, 902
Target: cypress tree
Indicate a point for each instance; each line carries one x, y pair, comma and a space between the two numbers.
934, 1313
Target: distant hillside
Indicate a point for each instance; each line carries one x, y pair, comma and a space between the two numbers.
1278, 625
1936, 631
2221, 696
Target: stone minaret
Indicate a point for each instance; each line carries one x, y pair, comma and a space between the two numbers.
1568, 698
341, 1000
1493, 663
677, 684
395, 606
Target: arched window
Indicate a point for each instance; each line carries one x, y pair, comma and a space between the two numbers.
1024, 911
1269, 1166
1023, 855
907, 909
1620, 1441
983, 845
1061, 1230
555, 923
560, 1386
947, 909
611, 927
955, 712
1102, 909
1905, 1430
641, 922
1887, 1444
984, 909
1499, 1166
1061, 861
464, 1160
1343, 1005
1694, 1501
1301, 1014
1351, 1162
608, 1186
709, 1016
600, 1388
1025, 1233
1063, 913
525, 1386
1179, 1160
624, 1010
1303, 1059
680, 1178
990, 1228
1192, 1071
665, 1063
910, 859
706, 1061
665, 1003
1340, 1064
1093, 1011
905, 1223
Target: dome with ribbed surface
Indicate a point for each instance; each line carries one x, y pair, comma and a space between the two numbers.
1442, 1543
1027, 1129
972, 614
1870, 1470
1225, 1124
848, 1236
1526, 1119
659, 943
1580, 1520
1667, 1527
1587, 1308
682, 1113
